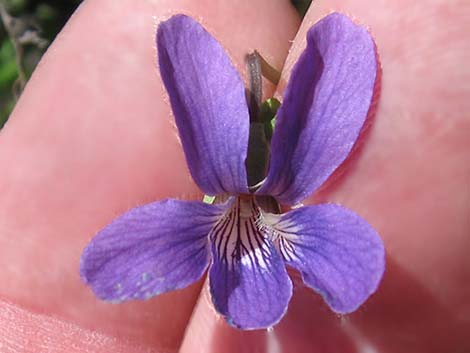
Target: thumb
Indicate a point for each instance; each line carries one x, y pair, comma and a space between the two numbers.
93, 136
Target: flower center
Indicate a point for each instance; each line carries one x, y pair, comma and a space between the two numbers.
239, 235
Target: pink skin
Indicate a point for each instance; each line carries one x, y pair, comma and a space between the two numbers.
93, 136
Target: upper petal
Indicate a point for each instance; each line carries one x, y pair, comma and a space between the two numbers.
324, 108
149, 250
208, 100
337, 252
248, 279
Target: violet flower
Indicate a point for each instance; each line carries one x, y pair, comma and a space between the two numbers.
169, 244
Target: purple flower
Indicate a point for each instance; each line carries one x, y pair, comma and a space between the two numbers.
169, 244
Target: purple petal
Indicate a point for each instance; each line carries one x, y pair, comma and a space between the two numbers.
208, 100
337, 252
248, 279
149, 250
325, 105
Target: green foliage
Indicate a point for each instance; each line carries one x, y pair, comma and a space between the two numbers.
5, 110
16, 7
46, 18
8, 76
8, 69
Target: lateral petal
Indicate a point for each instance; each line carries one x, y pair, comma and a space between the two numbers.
152, 249
337, 252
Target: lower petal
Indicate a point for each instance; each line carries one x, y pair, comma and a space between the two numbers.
248, 279
149, 250
337, 252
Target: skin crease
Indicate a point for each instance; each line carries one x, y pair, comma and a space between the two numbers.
76, 153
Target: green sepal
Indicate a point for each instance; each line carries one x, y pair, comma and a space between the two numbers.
269, 109
268, 112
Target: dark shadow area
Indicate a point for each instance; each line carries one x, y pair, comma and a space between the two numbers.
301, 6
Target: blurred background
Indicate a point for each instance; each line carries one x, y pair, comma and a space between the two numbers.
27, 27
